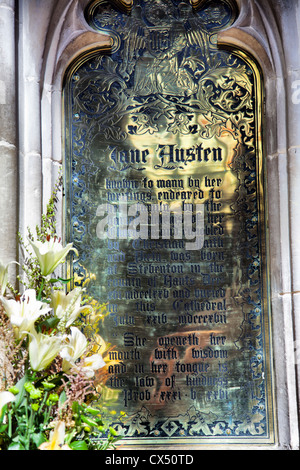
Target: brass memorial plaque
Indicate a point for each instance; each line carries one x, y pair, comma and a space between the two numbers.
165, 203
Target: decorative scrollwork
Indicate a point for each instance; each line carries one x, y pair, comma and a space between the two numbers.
166, 75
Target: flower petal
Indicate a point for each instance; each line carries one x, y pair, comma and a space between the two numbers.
51, 254
6, 397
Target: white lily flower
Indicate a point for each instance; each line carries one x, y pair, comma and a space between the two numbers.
43, 349
76, 344
75, 348
24, 313
91, 364
67, 307
51, 254
4, 276
5, 397
56, 439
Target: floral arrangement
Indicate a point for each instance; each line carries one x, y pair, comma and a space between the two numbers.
49, 369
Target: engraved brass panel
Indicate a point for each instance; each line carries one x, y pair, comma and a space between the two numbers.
168, 120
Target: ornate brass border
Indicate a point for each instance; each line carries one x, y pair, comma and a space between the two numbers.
135, 443
122, 5
198, 4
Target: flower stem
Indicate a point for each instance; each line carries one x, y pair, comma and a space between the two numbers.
39, 297
43, 402
9, 424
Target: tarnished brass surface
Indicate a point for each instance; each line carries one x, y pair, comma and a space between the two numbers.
169, 120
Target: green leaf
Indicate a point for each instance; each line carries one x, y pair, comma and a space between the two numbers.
16, 444
65, 281
62, 398
79, 445
48, 324
20, 396
75, 407
92, 411
59, 279
3, 427
38, 439
89, 421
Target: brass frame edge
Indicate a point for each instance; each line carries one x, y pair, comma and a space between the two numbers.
174, 443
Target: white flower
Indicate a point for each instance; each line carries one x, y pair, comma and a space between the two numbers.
50, 254
43, 349
5, 397
24, 313
91, 364
76, 344
57, 439
4, 276
67, 307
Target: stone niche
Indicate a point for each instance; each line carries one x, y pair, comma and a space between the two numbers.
198, 122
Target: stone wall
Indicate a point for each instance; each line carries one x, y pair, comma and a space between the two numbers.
38, 40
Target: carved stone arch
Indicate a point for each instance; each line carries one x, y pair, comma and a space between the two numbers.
68, 36
256, 31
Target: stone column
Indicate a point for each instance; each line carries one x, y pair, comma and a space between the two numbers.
291, 38
29, 52
8, 134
